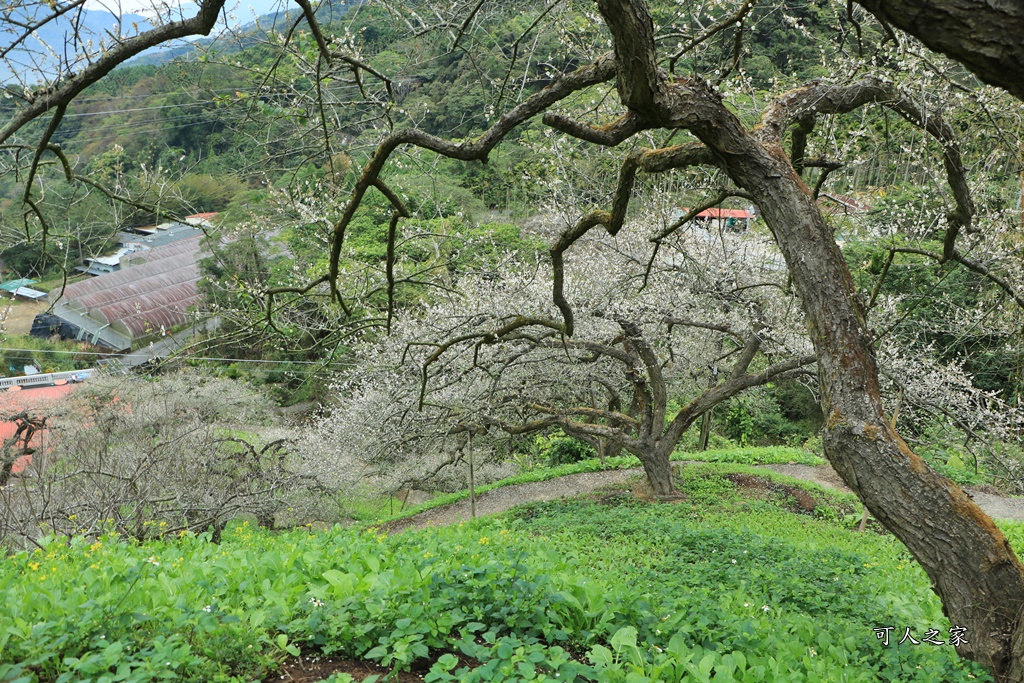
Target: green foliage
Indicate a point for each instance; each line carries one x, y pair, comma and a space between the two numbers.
931, 296
949, 458
559, 449
203, 192
570, 590
770, 455
749, 593
777, 413
48, 356
706, 489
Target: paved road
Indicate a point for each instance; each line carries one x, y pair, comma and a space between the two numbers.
995, 506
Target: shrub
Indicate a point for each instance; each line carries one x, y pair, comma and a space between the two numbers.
562, 450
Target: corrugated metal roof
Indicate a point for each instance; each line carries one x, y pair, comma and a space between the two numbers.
29, 293
134, 302
156, 236
177, 269
158, 261
12, 285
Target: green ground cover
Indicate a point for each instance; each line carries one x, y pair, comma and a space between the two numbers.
728, 585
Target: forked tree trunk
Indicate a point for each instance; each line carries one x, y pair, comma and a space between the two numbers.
973, 569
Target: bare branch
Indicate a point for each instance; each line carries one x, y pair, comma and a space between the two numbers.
64, 92
598, 72
314, 26
712, 397
735, 18
608, 135
975, 266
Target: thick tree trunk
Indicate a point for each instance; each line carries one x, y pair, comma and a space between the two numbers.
986, 36
658, 469
973, 569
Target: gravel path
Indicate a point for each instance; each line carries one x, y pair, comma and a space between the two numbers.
506, 497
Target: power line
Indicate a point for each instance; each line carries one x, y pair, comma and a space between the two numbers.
210, 358
136, 109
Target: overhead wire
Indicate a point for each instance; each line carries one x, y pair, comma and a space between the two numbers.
190, 358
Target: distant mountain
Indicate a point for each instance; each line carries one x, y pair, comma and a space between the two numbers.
50, 45
40, 55
247, 33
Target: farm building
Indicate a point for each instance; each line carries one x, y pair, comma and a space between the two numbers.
19, 289
117, 309
201, 219
135, 243
717, 218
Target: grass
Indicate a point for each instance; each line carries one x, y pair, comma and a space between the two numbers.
728, 585
48, 356
47, 285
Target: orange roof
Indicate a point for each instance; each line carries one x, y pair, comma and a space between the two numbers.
202, 216
15, 401
715, 212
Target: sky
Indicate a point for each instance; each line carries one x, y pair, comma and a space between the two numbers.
35, 59
243, 10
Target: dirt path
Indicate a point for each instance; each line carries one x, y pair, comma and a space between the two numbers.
994, 505
506, 497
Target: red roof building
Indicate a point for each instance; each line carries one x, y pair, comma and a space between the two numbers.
201, 218
735, 219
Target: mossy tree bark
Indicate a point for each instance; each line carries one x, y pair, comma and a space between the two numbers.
974, 571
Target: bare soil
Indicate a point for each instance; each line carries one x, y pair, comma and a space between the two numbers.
16, 316
312, 669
